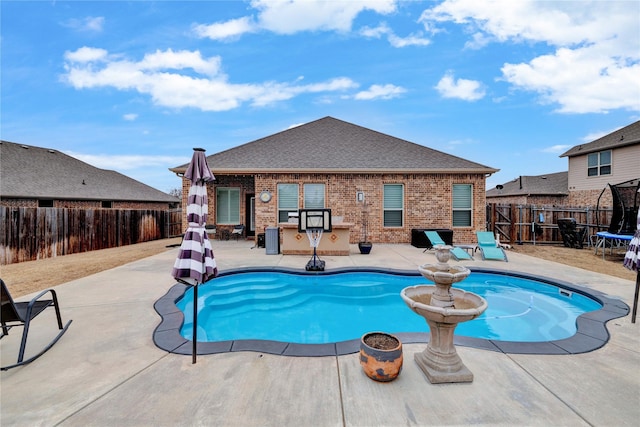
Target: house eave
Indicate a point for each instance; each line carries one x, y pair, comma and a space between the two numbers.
575, 152
254, 171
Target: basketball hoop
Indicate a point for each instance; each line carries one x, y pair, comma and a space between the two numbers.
314, 222
314, 235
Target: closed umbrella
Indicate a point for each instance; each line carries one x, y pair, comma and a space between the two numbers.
195, 263
632, 262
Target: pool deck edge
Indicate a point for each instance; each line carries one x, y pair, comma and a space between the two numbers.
591, 333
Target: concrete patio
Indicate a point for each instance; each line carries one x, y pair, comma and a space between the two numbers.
106, 370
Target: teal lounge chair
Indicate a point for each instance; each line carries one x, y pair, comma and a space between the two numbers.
457, 253
489, 247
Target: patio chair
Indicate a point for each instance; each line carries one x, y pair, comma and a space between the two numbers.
21, 314
238, 231
456, 252
489, 247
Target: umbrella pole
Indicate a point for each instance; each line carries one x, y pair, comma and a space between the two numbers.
635, 298
195, 323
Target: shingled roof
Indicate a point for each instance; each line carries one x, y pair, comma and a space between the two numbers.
42, 173
334, 146
552, 184
628, 135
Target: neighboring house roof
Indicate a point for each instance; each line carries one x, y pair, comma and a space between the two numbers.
552, 184
42, 173
332, 145
628, 135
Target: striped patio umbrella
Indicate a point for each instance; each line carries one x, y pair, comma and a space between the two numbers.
195, 263
632, 262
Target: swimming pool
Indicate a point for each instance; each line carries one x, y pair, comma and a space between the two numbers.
269, 310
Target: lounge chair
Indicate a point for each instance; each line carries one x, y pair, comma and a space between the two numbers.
489, 248
21, 313
456, 252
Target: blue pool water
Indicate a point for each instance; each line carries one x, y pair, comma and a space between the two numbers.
326, 308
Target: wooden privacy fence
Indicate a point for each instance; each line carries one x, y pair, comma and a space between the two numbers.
539, 224
36, 233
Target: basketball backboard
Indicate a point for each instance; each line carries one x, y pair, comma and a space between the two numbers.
314, 219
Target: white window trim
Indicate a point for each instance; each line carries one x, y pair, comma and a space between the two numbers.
402, 209
600, 165
469, 209
228, 189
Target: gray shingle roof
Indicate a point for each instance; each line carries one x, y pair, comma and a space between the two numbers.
34, 172
332, 145
628, 135
551, 184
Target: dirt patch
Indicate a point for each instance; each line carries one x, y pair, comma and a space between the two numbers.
582, 258
31, 276
27, 277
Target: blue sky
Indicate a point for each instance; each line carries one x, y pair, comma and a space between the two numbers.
133, 86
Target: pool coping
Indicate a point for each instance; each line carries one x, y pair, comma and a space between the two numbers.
591, 332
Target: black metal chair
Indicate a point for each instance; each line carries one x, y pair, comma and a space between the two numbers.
238, 231
21, 313
572, 235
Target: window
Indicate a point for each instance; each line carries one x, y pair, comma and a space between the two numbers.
599, 163
228, 205
107, 204
45, 203
314, 196
462, 197
393, 205
287, 201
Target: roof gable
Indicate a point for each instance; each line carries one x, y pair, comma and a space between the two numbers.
33, 172
332, 145
552, 184
628, 135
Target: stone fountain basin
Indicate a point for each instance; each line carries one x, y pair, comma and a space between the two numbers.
444, 274
467, 305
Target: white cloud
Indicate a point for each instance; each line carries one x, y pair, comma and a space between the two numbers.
596, 63
182, 79
387, 91
468, 90
556, 149
130, 117
88, 24
580, 80
226, 30
86, 54
395, 40
292, 16
168, 59
128, 162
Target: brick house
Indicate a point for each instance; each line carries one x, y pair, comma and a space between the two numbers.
335, 164
612, 159
34, 177
541, 190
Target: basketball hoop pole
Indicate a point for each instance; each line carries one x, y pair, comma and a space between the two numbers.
316, 264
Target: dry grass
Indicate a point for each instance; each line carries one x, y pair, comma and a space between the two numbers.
27, 277
581, 258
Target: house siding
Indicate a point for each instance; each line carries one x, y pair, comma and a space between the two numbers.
427, 201
625, 161
585, 190
530, 200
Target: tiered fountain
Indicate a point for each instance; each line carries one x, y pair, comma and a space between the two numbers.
443, 307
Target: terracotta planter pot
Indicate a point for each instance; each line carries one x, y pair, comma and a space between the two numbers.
381, 356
